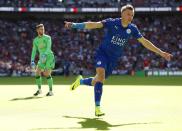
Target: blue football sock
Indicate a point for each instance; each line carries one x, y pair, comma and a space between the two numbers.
98, 93
86, 81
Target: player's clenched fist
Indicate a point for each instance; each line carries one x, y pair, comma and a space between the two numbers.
166, 55
68, 24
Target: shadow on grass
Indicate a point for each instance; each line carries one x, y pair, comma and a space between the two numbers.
94, 123
25, 98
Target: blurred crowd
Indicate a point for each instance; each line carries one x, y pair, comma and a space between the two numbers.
86, 3
75, 49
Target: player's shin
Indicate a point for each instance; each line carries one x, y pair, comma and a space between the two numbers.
38, 80
98, 93
50, 82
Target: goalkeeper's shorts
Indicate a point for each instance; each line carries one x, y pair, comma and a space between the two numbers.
49, 63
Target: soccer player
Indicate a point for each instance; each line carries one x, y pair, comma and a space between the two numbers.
119, 30
42, 43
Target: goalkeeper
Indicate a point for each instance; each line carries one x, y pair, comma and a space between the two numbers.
42, 43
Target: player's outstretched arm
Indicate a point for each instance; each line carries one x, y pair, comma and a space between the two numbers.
84, 25
147, 44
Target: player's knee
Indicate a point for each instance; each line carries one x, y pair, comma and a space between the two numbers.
38, 73
94, 81
100, 78
47, 74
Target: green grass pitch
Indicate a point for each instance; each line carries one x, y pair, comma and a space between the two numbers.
130, 104
113, 80
127, 108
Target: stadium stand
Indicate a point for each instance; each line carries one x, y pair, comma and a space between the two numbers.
86, 3
75, 49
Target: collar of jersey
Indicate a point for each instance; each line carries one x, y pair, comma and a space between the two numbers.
120, 24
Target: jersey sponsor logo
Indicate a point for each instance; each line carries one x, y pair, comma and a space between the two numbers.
99, 62
128, 31
118, 40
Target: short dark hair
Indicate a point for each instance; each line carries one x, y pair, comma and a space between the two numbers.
128, 6
39, 25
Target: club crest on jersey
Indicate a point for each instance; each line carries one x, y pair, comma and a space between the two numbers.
99, 62
128, 31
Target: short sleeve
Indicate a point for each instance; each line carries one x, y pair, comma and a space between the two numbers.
107, 22
136, 33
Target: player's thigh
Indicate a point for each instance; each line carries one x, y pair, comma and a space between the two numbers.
38, 71
100, 74
40, 65
50, 63
100, 64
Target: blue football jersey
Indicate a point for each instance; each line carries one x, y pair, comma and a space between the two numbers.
116, 37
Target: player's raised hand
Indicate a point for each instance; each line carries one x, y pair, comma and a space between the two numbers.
166, 55
68, 24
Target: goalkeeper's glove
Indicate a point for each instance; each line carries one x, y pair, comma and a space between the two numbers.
33, 65
43, 58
